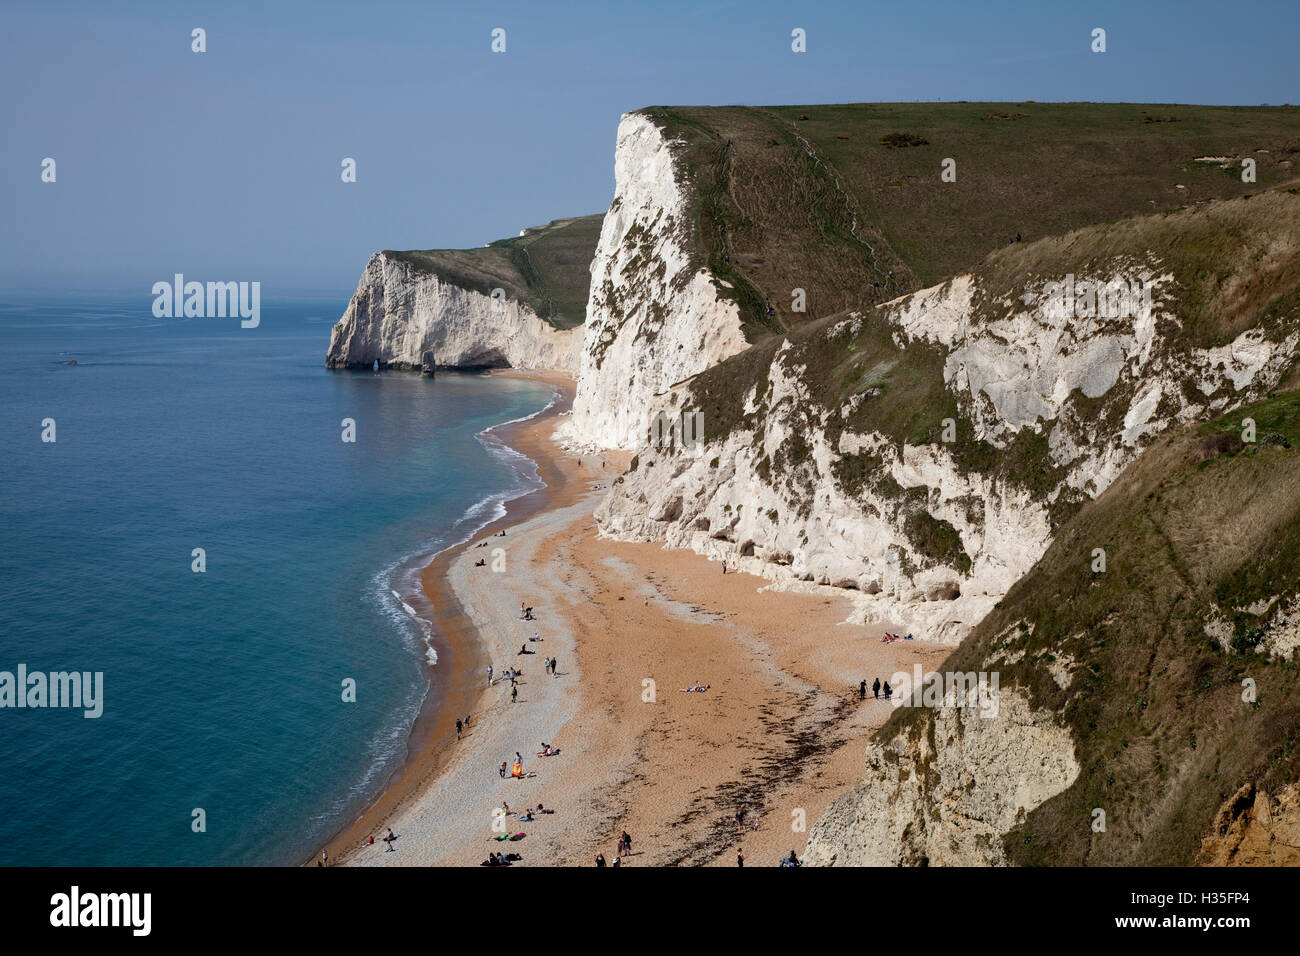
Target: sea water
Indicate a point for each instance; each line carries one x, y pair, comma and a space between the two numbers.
225, 736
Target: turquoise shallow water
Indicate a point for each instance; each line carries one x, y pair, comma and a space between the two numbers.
222, 690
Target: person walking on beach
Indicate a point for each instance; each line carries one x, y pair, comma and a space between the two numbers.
389, 840
600, 857
627, 844
324, 858
875, 688
554, 672
514, 693
740, 858
489, 675
740, 820
459, 727
888, 691
502, 771
862, 690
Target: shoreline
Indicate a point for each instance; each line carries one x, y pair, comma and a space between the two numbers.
461, 654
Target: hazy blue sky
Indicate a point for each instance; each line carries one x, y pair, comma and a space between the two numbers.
225, 165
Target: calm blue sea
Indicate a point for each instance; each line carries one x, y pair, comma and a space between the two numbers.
222, 689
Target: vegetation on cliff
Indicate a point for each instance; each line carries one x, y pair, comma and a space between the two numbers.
547, 268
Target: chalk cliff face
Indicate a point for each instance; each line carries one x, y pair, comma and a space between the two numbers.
947, 797
406, 318
1017, 365
808, 494
654, 316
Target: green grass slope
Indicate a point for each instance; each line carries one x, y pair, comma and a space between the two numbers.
547, 268
1201, 534
809, 197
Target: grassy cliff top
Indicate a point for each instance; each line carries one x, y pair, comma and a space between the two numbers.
847, 203
546, 268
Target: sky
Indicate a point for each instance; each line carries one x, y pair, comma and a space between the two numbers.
225, 165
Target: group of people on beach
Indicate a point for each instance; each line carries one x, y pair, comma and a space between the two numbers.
482, 562
511, 674
548, 663
390, 839
890, 638
876, 690
624, 848
516, 768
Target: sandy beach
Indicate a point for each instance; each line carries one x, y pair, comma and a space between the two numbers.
779, 734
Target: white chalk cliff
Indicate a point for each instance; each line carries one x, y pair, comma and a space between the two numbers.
1011, 370
948, 797
655, 316
405, 318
